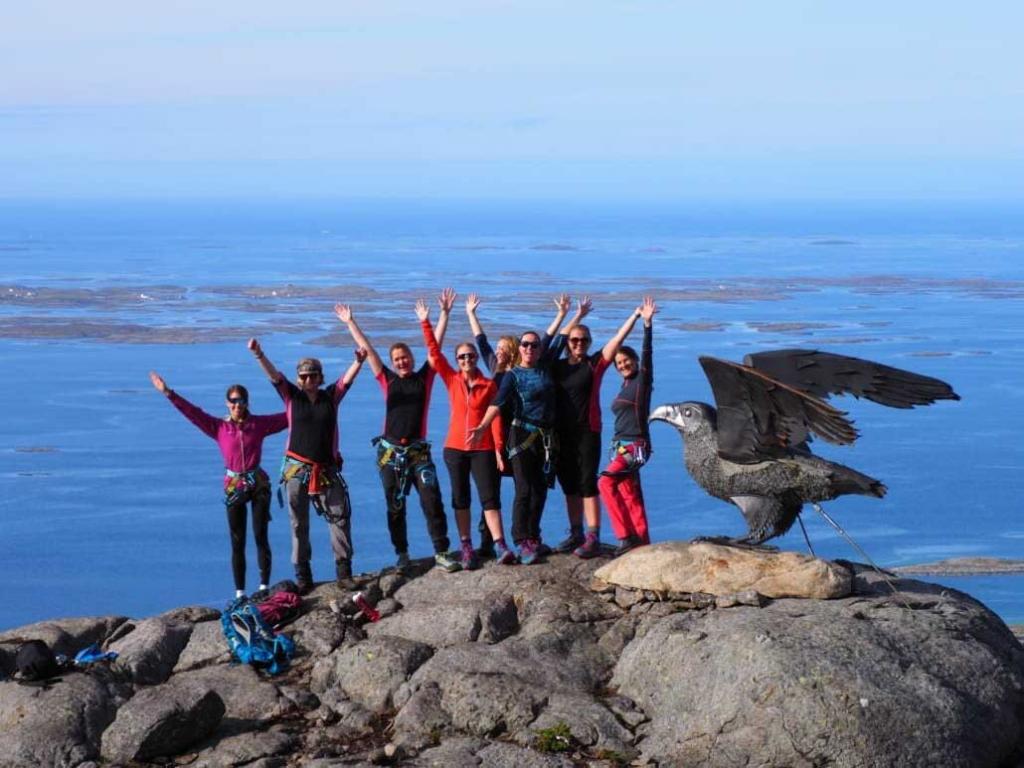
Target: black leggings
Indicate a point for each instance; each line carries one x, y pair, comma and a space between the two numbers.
236, 525
424, 479
531, 487
483, 466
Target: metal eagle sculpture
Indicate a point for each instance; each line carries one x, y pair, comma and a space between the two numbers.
752, 450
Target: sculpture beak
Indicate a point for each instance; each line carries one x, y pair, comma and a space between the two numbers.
662, 413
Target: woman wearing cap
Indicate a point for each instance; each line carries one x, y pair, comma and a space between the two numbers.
403, 453
469, 395
240, 438
530, 392
311, 471
631, 446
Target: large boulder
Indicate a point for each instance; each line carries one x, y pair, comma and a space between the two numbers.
66, 636
680, 566
56, 725
371, 671
924, 677
149, 652
162, 721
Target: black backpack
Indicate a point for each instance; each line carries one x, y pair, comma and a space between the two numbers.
35, 662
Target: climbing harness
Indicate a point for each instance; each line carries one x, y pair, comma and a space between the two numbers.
317, 478
406, 461
547, 437
237, 484
634, 454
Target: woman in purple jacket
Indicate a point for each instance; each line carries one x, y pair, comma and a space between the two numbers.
240, 439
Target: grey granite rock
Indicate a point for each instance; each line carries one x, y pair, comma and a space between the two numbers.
248, 697
56, 725
150, 651
371, 671
162, 721
925, 679
66, 636
206, 645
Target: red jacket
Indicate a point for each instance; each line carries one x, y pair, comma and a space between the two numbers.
468, 400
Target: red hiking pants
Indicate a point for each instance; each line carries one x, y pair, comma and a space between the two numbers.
624, 498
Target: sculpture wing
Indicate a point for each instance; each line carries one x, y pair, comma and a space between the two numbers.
760, 418
822, 374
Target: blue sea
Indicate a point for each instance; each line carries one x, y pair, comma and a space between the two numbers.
110, 502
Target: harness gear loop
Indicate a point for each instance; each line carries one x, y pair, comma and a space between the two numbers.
634, 454
404, 461
238, 484
547, 438
316, 476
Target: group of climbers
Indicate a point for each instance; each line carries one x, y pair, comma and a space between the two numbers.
538, 418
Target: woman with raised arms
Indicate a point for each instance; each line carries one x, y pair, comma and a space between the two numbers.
239, 437
311, 470
469, 395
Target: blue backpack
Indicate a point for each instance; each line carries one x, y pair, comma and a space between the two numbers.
251, 641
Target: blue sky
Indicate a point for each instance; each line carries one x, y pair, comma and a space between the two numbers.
531, 100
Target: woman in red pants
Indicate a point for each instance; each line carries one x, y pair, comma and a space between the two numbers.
619, 485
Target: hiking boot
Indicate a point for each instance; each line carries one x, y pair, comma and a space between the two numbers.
591, 547
570, 542
304, 578
626, 544
543, 550
485, 552
504, 555
447, 562
528, 554
468, 557
402, 564
343, 569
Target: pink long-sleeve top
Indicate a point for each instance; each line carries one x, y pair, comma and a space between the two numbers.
240, 443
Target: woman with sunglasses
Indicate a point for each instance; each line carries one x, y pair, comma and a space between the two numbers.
403, 453
499, 361
578, 378
530, 392
469, 395
311, 470
631, 446
240, 438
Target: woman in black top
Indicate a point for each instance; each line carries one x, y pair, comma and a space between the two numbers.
620, 481
403, 453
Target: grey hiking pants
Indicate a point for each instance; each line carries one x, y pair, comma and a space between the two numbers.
339, 521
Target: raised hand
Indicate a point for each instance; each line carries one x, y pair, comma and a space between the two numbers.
583, 307
344, 313
158, 382
446, 300
647, 309
422, 310
563, 301
472, 302
360, 354
254, 347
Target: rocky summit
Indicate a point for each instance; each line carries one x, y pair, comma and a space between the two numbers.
557, 664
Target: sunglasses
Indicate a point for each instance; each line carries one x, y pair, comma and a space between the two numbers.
529, 344
238, 401
466, 356
304, 376
579, 340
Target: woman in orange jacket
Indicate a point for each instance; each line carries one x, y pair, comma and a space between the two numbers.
469, 395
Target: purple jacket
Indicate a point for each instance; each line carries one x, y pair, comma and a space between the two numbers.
241, 444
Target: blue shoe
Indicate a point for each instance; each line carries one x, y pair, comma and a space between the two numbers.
528, 554
591, 547
468, 558
505, 556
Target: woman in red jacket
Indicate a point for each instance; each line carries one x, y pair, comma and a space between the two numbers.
469, 395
